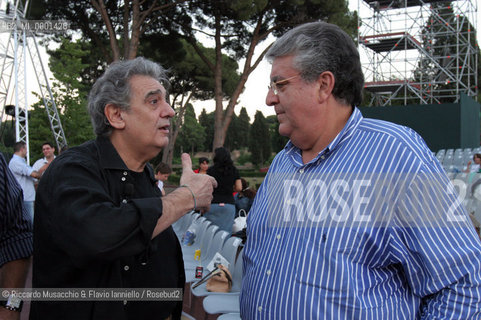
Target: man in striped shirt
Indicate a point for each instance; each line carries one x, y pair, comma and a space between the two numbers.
355, 219
15, 242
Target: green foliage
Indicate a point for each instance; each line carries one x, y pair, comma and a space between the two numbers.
206, 120
236, 27
188, 72
192, 134
7, 134
243, 128
39, 131
232, 136
278, 142
244, 158
251, 173
259, 140
71, 91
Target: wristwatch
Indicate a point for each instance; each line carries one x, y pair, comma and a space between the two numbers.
13, 303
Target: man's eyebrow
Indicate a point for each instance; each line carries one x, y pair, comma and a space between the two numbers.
154, 92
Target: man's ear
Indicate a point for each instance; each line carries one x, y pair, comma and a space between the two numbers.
326, 84
114, 116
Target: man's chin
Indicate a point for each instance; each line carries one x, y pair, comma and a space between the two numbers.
285, 132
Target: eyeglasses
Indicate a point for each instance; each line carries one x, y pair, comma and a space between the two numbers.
273, 85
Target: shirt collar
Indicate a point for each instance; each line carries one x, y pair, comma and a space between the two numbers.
346, 132
45, 158
110, 158
17, 156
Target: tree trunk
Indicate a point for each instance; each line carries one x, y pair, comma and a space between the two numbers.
219, 134
168, 152
223, 119
100, 7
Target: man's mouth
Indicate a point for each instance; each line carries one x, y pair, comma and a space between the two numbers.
165, 128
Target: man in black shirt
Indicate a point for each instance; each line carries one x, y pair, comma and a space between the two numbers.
100, 221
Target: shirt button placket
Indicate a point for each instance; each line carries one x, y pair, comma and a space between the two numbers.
123, 180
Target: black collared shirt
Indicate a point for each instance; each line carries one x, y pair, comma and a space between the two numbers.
93, 225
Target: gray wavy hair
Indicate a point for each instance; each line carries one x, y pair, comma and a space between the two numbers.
318, 47
114, 87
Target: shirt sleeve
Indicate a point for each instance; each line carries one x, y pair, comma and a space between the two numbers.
21, 169
38, 164
74, 205
15, 229
438, 248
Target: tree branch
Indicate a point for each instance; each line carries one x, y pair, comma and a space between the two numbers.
99, 5
126, 18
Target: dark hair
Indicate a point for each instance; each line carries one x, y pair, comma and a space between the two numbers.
477, 155
318, 47
222, 161
18, 146
163, 168
114, 87
203, 159
46, 142
246, 190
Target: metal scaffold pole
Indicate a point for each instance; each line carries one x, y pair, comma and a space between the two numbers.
418, 51
18, 52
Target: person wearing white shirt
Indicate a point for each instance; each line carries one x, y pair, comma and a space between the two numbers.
162, 173
25, 175
48, 151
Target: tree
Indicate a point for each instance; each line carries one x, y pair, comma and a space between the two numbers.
190, 79
70, 91
278, 142
235, 26
206, 120
192, 134
39, 131
259, 140
114, 27
232, 136
238, 26
7, 138
243, 128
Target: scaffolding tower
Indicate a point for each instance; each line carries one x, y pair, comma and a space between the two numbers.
418, 51
20, 67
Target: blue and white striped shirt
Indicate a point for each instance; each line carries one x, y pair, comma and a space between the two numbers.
369, 229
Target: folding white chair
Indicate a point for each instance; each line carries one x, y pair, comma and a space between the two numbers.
229, 252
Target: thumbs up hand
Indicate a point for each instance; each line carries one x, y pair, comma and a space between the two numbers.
200, 185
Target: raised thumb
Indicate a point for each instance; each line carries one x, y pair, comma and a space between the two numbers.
186, 162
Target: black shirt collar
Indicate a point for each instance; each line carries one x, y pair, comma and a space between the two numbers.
110, 158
